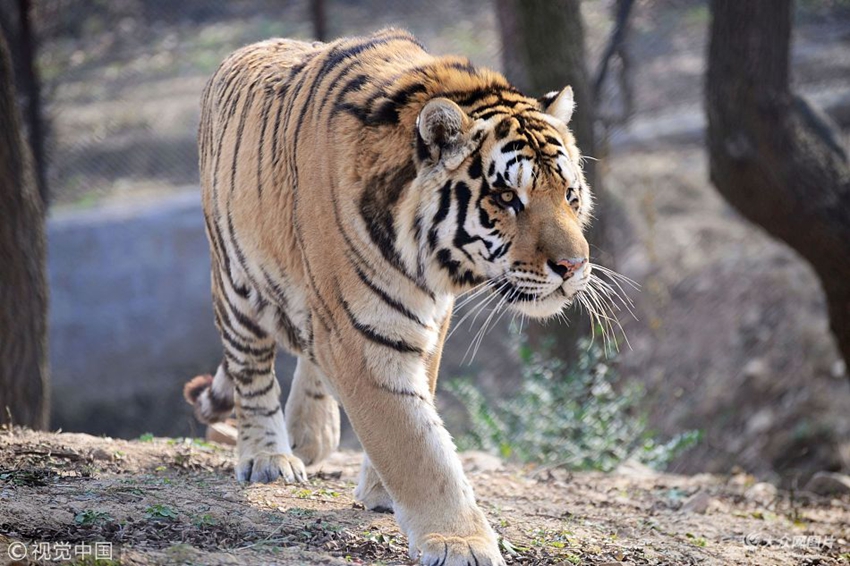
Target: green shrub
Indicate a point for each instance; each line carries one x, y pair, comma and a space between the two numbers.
581, 418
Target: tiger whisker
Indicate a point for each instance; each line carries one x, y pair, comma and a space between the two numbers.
597, 313
496, 295
616, 275
478, 289
612, 295
616, 279
595, 320
479, 335
475, 310
602, 296
615, 290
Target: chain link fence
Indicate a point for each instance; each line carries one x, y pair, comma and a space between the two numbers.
121, 80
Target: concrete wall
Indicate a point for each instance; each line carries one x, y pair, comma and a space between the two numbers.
130, 315
131, 319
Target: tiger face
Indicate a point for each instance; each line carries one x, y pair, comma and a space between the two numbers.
512, 202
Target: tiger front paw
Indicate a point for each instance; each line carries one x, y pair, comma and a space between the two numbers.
447, 550
265, 467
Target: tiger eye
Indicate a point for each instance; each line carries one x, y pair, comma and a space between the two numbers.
507, 196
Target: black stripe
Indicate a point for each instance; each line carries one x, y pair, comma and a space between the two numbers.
259, 359
354, 84
471, 98
445, 203
239, 345
514, 145
224, 319
422, 151
292, 332
403, 392
453, 266
475, 168
552, 140
259, 411
250, 371
225, 259
490, 113
503, 128
258, 392
380, 195
246, 322
374, 336
387, 113
462, 237
262, 142
276, 134
386, 298
417, 236
483, 216
514, 160
500, 251
240, 255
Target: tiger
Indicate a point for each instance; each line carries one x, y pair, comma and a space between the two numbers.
351, 190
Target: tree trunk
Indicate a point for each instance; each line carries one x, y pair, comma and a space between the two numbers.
543, 50
771, 155
23, 287
318, 15
30, 85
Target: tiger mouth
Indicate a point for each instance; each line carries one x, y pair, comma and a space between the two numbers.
533, 304
541, 305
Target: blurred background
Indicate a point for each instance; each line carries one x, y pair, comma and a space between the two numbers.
728, 362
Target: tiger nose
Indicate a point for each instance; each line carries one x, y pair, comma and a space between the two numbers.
567, 267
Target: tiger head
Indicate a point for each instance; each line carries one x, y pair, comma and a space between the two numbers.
510, 201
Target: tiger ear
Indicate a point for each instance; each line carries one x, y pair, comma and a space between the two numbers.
442, 125
559, 104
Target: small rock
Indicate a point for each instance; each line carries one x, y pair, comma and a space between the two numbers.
829, 483
839, 369
697, 503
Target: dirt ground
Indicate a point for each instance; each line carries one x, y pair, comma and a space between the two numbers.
731, 337
175, 501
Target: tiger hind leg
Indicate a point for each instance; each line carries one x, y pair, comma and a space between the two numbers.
312, 414
262, 445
